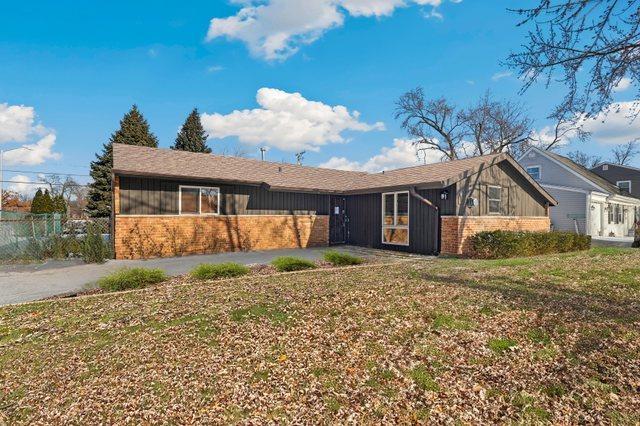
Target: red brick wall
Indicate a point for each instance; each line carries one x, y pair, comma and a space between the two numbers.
139, 237
456, 230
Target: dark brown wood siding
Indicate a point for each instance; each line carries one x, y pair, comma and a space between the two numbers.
151, 196
365, 221
519, 196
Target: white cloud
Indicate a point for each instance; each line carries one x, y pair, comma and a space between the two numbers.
618, 124
214, 68
623, 84
16, 122
500, 75
18, 183
287, 121
275, 29
401, 154
37, 153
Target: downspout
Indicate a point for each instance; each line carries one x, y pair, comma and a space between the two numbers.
414, 193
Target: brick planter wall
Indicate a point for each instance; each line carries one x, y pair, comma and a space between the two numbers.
140, 237
456, 230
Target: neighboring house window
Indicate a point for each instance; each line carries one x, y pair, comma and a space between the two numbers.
199, 200
616, 214
395, 218
494, 199
534, 172
610, 214
605, 167
624, 185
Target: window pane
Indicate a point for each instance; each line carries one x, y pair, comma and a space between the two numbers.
189, 200
534, 172
494, 192
388, 210
403, 209
625, 186
395, 236
209, 199
494, 206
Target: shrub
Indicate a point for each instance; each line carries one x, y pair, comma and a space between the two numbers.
209, 271
129, 278
289, 263
502, 244
94, 248
337, 258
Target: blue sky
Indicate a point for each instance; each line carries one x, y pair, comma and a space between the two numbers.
79, 66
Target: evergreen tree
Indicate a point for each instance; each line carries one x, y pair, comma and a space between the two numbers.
134, 130
192, 136
59, 204
36, 203
47, 202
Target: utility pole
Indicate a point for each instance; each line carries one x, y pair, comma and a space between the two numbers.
262, 151
2, 172
300, 157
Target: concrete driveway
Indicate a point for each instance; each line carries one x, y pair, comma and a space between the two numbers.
23, 283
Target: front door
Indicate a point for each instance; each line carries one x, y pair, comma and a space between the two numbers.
337, 220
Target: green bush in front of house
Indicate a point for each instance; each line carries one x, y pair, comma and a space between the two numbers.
210, 271
130, 278
503, 244
290, 263
337, 258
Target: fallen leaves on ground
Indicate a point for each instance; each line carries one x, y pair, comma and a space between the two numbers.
547, 339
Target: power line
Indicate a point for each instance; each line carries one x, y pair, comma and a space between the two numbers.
46, 173
41, 183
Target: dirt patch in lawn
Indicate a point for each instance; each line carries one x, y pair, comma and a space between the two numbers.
550, 339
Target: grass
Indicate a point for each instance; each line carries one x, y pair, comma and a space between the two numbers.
131, 278
210, 271
434, 340
337, 258
290, 263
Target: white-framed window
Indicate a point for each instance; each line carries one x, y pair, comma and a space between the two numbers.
196, 200
395, 218
615, 214
534, 172
494, 199
624, 185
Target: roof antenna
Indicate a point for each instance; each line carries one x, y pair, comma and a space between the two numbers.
262, 151
300, 157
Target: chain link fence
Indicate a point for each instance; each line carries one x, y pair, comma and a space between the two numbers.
28, 237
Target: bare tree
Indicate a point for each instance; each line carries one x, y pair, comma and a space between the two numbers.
58, 186
623, 154
495, 126
434, 124
601, 37
488, 127
584, 159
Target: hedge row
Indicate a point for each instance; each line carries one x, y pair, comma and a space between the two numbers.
503, 244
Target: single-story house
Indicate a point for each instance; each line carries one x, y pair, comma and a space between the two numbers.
587, 203
169, 203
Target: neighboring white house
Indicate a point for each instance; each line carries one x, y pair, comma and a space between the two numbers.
587, 203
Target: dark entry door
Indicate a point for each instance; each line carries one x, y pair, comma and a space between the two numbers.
337, 220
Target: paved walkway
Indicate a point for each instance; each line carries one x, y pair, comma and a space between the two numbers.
23, 283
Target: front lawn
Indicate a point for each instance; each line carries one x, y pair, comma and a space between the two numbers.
548, 339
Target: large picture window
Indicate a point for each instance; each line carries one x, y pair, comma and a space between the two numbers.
494, 199
395, 218
199, 200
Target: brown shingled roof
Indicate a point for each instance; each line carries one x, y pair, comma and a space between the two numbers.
145, 161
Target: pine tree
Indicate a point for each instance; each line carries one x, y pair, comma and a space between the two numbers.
36, 203
134, 130
59, 204
47, 202
192, 136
